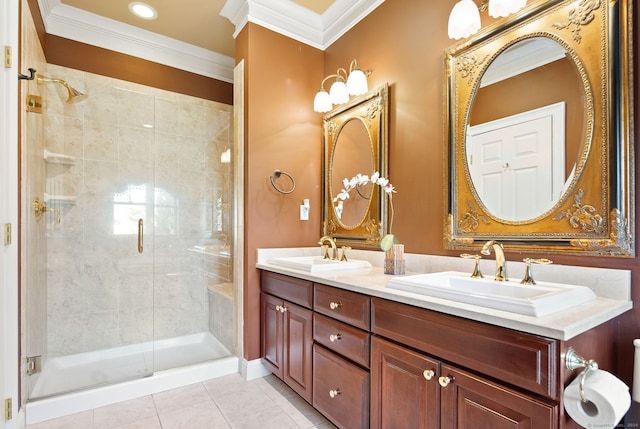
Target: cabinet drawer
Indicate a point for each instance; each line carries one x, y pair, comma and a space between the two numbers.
524, 360
293, 290
340, 389
349, 307
346, 340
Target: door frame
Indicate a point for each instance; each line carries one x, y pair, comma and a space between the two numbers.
9, 183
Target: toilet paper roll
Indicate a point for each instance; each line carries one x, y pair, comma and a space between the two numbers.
607, 400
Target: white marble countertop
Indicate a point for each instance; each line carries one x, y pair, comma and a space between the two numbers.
612, 288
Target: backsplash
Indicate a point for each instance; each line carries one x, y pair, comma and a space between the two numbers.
606, 283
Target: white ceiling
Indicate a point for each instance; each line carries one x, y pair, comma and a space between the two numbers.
198, 35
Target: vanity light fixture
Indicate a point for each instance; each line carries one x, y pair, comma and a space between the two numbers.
355, 83
142, 10
464, 19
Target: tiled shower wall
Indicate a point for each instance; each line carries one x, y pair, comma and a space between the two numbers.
128, 152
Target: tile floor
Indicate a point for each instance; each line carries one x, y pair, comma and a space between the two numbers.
221, 403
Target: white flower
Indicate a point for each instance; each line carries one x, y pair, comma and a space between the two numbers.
360, 180
343, 195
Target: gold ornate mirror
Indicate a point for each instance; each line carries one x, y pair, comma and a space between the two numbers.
355, 142
538, 114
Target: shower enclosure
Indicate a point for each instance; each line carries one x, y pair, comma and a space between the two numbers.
129, 256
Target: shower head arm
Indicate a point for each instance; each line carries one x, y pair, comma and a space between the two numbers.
74, 94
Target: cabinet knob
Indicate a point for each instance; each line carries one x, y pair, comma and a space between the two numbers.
278, 308
334, 305
444, 381
283, 309
335, 337
428, 373
334, 393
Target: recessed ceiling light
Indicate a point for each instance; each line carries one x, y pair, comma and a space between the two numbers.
143, 10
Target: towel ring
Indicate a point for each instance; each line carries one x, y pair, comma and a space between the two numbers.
277, 174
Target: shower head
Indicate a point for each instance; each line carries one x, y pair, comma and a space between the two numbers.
74, 95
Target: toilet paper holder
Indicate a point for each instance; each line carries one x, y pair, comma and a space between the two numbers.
574, 361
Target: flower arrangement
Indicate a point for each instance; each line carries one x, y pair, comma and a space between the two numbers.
359, 180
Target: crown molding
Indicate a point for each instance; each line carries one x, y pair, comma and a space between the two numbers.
297, 22
75, 24
282, 16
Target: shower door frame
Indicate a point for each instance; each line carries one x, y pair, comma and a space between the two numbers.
9, 183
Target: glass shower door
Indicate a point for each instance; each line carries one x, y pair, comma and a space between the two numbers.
89, 287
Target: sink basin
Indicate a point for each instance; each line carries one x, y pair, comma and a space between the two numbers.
316, 264
536, 300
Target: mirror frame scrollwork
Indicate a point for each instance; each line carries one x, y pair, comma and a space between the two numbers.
372, 110
595, 215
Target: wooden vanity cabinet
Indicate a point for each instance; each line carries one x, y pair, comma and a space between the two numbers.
287, 332
411, 388
370, 362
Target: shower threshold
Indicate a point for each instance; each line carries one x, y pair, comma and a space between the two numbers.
102, 367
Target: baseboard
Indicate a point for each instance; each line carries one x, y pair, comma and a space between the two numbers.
253, 369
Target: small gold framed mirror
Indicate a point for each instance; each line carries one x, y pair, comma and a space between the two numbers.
355, 142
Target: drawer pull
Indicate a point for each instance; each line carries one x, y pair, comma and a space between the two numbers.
428, 374
334, 393
335, 337
334, 305
444, 381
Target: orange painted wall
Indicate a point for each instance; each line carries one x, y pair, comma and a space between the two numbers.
281, 132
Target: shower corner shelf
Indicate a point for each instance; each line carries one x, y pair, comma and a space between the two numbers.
58, 158
60, 199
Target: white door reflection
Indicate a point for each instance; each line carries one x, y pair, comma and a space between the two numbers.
517, 163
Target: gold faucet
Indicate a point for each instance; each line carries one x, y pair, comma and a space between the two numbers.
501, 261
334, 249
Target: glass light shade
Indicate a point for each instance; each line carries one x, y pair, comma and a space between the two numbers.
501, 8
357, 82
322, 102
338, 92
464, 19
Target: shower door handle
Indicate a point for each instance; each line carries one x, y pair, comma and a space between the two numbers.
140, 236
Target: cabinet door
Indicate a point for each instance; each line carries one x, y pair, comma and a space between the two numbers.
470, 402
271, 341
404, 388
298, 342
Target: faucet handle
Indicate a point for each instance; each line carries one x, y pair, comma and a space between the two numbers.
476, 271
344, 253
528, 278
325, 252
